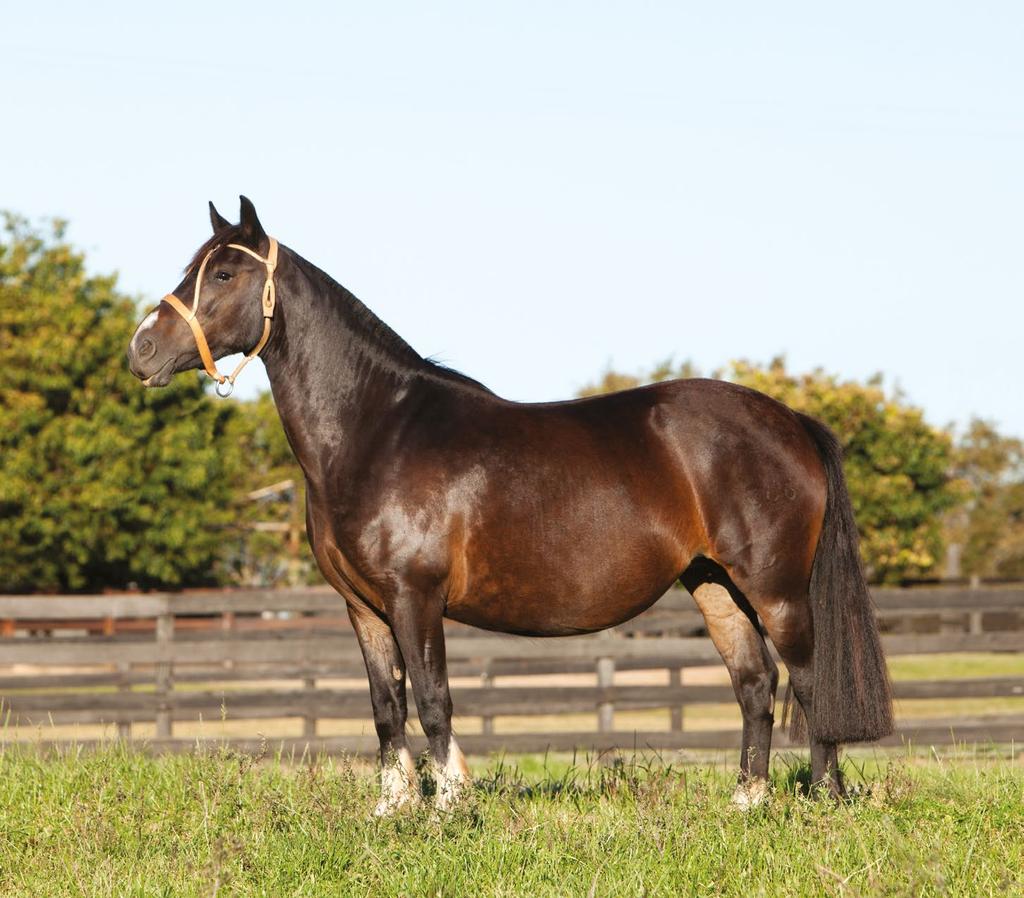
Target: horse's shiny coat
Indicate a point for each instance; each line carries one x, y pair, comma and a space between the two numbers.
429, 496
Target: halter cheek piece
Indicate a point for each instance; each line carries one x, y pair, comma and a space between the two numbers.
269, 301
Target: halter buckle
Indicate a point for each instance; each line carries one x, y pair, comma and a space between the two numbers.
229, 388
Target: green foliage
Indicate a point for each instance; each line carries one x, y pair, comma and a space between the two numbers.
897, 465
991, 529
613, 381
116, 822
103, 482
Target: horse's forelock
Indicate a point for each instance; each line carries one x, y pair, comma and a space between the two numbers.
229, 235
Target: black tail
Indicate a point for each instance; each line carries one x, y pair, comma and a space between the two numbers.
852, 694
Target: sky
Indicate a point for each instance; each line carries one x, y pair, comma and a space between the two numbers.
533, 192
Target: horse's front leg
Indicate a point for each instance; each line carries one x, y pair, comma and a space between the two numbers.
386, 672
418, 624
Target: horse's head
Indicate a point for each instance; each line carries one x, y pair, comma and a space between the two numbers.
223, 305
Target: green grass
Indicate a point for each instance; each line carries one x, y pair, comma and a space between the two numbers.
116, 822
956, 665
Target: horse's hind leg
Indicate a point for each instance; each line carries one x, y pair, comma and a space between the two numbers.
824, 755
732, 626
789, 626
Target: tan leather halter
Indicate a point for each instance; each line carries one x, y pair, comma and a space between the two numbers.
269, 302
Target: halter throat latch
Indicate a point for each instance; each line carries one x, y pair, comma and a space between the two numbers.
268, 302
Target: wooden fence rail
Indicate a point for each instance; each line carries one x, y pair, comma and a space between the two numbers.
160, 660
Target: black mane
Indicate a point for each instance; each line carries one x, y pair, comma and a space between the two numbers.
360, 316
376, 329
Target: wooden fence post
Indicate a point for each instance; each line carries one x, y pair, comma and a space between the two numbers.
675, 678
124, 727
309, 719
164, 674
227, 625
486, 681
974, 623
605, 680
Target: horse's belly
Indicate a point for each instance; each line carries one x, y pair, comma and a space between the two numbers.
530, 615
587, 591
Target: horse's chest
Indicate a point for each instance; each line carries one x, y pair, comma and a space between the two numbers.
375, 556
343, 561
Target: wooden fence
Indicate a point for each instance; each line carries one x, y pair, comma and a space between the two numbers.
151, 662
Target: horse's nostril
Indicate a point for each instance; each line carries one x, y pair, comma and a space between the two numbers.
147, 349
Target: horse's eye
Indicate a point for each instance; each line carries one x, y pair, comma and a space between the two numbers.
222, 276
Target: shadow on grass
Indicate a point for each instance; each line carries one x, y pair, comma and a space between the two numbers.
795, 776
604, 775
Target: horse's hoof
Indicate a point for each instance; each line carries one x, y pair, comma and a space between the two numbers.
750, 794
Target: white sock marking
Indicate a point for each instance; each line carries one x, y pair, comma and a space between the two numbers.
453, 778
750, 794
398, 786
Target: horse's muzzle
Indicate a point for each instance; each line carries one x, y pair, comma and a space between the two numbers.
160, 377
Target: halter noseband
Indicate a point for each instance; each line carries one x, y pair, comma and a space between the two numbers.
269, 301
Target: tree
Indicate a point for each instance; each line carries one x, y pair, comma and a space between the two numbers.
103, 483
991, 528
612, 381
897, 465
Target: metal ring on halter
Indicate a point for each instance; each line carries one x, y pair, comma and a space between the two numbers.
224, 383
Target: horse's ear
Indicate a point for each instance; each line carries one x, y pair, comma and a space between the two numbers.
219, 222
252, 230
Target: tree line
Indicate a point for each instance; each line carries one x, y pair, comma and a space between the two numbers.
105, 485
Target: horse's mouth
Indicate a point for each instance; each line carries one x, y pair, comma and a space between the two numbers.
161, 377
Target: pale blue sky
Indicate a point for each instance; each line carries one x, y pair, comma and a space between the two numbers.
529, 191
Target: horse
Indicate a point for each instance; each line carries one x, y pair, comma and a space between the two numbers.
429, 496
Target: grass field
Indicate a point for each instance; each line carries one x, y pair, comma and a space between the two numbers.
116, 822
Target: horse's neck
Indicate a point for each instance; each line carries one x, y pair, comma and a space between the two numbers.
334, 368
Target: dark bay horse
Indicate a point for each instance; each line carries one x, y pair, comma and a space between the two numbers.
429, 496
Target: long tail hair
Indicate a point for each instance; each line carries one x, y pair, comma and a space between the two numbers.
852, 694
